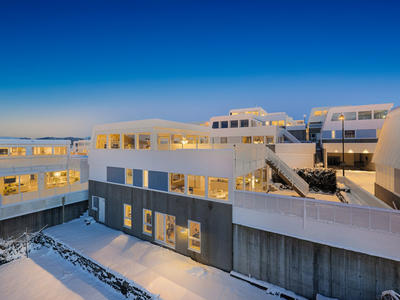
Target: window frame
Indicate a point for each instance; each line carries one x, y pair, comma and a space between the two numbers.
147, 224
93, 207
164, 242
190, 237
127, 218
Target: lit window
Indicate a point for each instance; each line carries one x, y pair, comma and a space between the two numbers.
74, 177
239, 183
364, 115
18, 151
234, 114
10, 185
247, 181
234, 124
224, 140
218, 188
325, 112
143, 141
281, 123
129, 140
3, 151
258, 139
145, 178
101, 141
176, 138
380, 114
244, 123
177, 183
203, 139
333, 134
127, 216
257, 181
163, 141
194, 236
42, 150
317, 113
275, 123
192, 139
196, 185
224, 124
246, 139
113, 140
60, 150
147, 223
56, 179
267, 123
165, 229
129, 177
215, 125
269, 139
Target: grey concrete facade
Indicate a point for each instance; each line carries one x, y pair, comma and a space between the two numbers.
215, 219
387, 196
308, 268
14, 227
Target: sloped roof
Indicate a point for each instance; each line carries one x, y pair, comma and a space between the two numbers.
387, 151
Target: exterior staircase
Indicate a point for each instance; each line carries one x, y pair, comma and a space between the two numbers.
288, 135
286, 173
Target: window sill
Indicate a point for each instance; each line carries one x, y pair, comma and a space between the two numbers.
146, 233
195, 250
164, 244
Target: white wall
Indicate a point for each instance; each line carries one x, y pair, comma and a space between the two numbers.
296, 155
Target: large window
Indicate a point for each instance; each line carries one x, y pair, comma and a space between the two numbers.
196, 185
246, 139
128, 176
224, 124
380, 114
269, 139
194, 236
42, 150
239, 183
224, 140
192, 139
101, 141
165, 229
129, 140
365, 115
247, 182
18, 151
163, 141
176, 138
147, 222
203, 139
3, 151
127, 216
244, 123
60, 150
215, 125
258, 139
281, 123
74, 177
275, 123
11, 185
258, 182
113, 140
143, 141
56, 179
317, 113
218, 188
234, 124
177, 182
351, 115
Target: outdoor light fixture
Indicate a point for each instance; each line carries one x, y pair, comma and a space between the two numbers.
343, 163
183, 230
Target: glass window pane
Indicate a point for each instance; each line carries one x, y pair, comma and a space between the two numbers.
163, 141
10, 185
224, 140
3, 151
192, 139
317, 113
364, 115
177, 183
56, 179
247, 181
60, 150
218, 188
42, 150
258, 183
176, 138
127, 215
224, 124
246, 140
380, 114
145, 178
239, 183
144, 141
269, 139
275, 123
281, 123
348, 116
28, 183
194, 236
101, 141
244, 123
113, 140
349, 134
147, 223
129, 176
74, 177
170, 230
203, 139
335, 116
196, 185
160, 226
17, 151
234, 124
215, 125
258, 139
129, 141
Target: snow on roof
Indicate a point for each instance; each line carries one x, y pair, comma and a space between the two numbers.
387, 150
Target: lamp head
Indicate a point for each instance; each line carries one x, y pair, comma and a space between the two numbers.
341, 118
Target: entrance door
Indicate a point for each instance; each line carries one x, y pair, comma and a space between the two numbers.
102, 210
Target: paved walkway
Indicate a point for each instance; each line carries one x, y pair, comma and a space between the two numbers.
158, 270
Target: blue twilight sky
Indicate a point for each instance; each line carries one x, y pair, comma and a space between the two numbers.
68, 65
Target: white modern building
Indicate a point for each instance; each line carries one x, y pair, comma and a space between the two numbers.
40, 184
81, 147
362, 127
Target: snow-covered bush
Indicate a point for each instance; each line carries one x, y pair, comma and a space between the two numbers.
12, 249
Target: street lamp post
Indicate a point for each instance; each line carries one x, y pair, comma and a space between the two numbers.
343, 163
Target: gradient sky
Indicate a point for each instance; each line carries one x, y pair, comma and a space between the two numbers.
66, 66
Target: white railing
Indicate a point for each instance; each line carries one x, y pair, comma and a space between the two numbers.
369, 218
287, 171
286, 133
23, 197
32, 162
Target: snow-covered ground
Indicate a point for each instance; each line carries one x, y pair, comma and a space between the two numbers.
46, 275
364, 179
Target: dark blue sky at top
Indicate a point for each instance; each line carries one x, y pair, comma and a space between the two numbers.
89, 62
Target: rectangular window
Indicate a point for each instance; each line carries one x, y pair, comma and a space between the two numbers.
143, 141
349, 134
10, 185
127, 216
163, 141
165, 229
349, 116
18, 151
74, 177
3, 151
194, 237
113, 140
95, 203
56, 179
244, 123
247, 182
246, 139
325, 112
147, 222
364, 115
281, 123
253, 123
197, 185
218, 188
177, 183
257, 181
224, 124
203, 139
176, 138
215, 125
42, 150
333, 134
335, 116
266, 123
269, 139
129, 177
239, 183
380, 114
275, 123
258, 139
28, 183
192, 139
145, 178
224, 140
234, 124
60, 150
317, 113
129, 140
101, 141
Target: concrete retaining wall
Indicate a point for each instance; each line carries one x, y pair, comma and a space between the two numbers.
308, 268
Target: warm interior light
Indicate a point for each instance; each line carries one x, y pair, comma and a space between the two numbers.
336, 150
57, 174
184, 141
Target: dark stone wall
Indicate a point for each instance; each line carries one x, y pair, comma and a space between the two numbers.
14, 227
387, 196
215, 219
308, 268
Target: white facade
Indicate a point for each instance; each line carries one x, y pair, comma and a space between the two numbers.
81, 147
